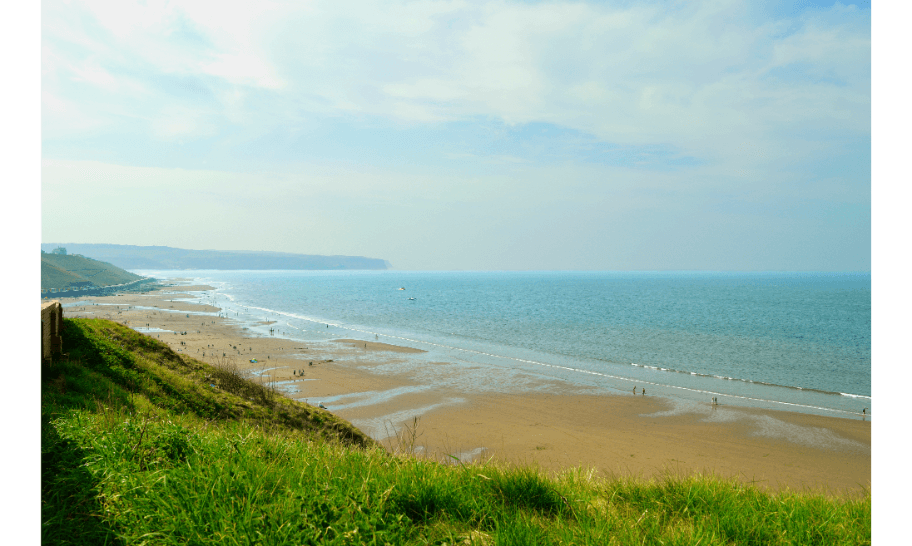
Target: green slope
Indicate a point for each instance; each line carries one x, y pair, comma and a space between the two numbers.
163, 257
61, 271
54, 277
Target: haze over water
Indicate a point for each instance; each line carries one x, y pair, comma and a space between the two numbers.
791, 341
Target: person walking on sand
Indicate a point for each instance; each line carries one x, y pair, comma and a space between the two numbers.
634, 389
644, 391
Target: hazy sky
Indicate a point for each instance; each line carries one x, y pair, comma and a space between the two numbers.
464, 135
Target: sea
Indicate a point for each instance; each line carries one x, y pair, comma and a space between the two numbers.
794, 341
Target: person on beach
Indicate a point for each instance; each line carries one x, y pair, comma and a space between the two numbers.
644, 391
634, 389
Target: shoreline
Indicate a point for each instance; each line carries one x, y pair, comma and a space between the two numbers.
544, 421
612, 374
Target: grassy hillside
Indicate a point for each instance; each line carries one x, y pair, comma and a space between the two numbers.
139, 447
58, 271
54, 277
163, 257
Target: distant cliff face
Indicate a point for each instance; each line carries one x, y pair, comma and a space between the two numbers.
163, 257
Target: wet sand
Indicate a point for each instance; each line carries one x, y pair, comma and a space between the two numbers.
620, 436
546, 422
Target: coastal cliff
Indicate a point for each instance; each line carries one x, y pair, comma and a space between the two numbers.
62, 272
168, 258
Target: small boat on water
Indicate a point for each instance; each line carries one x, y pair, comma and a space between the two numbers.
411, 298
401, 288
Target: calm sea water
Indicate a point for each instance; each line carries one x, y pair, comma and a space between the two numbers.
794, 341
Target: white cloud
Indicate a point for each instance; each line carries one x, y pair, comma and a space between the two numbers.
175, 123
243, 69
755, 100
646, 73
62, 118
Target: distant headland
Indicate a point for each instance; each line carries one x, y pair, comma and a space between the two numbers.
166, 258
75, 275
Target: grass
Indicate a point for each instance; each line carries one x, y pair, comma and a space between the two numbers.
139, 448
58, 271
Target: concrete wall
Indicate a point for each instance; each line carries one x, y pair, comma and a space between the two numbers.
51, 327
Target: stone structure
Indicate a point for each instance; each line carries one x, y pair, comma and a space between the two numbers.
51, 328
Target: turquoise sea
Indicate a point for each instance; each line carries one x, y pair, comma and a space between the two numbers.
790, 341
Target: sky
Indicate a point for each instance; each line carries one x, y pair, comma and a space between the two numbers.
517, 135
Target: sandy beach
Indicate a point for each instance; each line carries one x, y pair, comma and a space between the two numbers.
463, 414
